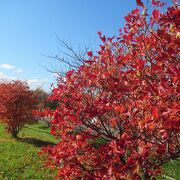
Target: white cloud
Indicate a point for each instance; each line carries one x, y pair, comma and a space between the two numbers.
19, 70
1, 75
56, 75
35, 83
10, 67
5, 77
7, 66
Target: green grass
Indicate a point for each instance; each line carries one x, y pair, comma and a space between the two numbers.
19, 158
172, 169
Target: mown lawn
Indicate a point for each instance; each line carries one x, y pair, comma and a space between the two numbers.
171, 171
19, 158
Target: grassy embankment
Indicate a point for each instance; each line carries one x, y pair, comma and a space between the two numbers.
19, 158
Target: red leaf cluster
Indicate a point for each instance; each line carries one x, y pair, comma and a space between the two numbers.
16, 105
139, 3
118, 114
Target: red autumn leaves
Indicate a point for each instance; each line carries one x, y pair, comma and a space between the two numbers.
118, 113
16, 105
139, 3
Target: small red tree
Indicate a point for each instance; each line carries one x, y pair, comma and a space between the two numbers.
16, 105
118, 114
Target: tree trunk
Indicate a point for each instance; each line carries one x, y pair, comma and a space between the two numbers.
14, 132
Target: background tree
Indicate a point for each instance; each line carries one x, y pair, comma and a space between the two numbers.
41, 97
44, 105
16, 105
118, 115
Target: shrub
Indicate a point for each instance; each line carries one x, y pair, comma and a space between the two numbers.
16, 105
118, 113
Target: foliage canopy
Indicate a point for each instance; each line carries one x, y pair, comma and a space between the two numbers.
16, 105
118, 115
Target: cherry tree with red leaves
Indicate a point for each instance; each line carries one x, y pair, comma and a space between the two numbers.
16, 105
118, 114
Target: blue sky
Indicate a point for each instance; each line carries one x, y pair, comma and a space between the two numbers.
28, 29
